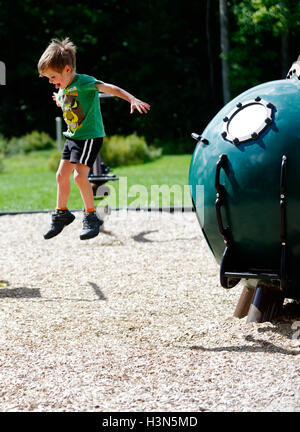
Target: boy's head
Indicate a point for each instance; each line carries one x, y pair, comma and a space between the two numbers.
58, 62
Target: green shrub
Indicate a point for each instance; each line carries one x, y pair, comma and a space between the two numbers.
175, 146
32, 141
54, 160
119, 150
13, 147
38, 141
3, 144
2, 167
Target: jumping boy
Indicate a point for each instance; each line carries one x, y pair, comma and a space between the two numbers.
78, 97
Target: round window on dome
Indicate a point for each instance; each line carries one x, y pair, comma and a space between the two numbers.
247, 121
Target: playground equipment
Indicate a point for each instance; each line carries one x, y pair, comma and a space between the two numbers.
247, 159
100, 172
98, 176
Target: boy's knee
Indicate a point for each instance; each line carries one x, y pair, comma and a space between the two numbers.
61, 178
79, 176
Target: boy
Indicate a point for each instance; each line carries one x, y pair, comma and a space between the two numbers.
78, 97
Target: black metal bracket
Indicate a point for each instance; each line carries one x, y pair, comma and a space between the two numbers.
225, 281
99, 174
229, 276
221, 192
283, 231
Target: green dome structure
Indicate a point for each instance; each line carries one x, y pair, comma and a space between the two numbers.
247, 165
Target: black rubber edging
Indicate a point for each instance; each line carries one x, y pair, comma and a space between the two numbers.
141, 209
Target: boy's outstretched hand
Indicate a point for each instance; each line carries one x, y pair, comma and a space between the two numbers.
140, 106
54, 97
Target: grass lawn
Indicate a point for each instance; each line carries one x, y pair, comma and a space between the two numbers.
27, 185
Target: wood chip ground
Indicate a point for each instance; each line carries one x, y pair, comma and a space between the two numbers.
133, 320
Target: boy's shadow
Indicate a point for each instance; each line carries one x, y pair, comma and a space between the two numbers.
21, 292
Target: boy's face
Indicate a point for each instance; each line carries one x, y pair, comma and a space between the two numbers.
60, 79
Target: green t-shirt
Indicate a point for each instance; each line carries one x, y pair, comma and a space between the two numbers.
81, 108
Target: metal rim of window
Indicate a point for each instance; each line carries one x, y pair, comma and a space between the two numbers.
247, 121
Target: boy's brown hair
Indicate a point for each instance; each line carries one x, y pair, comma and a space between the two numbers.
58, 54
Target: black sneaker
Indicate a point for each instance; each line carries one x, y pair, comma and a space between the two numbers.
60, 219
90, 226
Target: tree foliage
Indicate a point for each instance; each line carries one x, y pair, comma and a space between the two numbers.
258, 30
164, 52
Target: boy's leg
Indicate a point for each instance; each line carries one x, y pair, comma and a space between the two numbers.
83, 154
91, 223
63, 183
61, 217
81, 178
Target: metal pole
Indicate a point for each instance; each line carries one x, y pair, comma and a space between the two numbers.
267, 302
58, 132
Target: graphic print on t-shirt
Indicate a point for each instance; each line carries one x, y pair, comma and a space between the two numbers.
73, 113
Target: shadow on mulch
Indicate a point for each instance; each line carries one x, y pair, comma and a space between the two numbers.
261, 345
20, 292
286, 324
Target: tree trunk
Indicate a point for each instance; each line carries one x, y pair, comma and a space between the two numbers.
224, 41
209, 53
285, 61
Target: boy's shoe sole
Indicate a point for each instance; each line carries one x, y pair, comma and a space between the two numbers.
89, 236
59, 221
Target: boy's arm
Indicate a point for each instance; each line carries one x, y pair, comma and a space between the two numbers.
135, 103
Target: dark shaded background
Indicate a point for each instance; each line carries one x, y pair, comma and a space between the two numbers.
165, 52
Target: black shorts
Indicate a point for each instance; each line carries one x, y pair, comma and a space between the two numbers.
82, 151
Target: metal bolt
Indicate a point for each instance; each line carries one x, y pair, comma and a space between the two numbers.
196, 136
